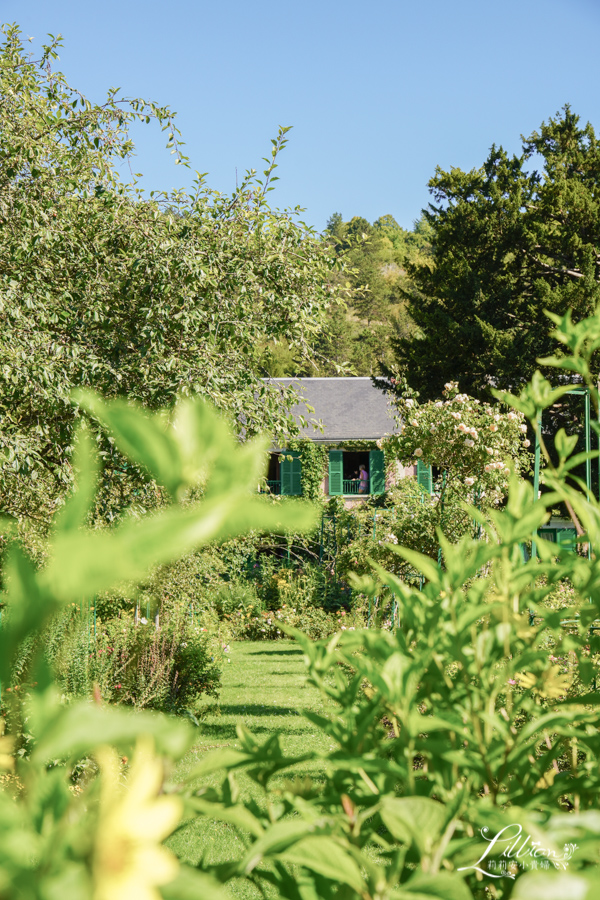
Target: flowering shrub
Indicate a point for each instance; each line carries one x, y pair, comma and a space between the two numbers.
168, 668
474, 444
269, 625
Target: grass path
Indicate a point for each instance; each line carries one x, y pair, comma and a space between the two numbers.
264, 687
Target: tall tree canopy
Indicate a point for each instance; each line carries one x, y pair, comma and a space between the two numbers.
144, 296
508, 242
374, 260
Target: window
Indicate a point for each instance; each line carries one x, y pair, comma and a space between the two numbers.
356, 472
274, 474
283, 474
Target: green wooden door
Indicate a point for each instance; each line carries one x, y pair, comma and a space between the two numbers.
377, 471
336, 472
291, 469
424, 476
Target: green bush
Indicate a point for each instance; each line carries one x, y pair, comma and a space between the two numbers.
167, 669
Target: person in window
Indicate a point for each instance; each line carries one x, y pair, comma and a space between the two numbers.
363, 475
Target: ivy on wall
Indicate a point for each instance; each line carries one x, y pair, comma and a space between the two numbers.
313, 459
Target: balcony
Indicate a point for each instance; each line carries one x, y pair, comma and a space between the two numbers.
271, 487
352, 486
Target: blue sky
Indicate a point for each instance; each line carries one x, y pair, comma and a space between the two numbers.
378, 94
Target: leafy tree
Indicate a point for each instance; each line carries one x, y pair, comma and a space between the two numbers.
507, 244
142, 297
373, 275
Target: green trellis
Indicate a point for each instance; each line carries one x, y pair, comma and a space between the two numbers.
581, 391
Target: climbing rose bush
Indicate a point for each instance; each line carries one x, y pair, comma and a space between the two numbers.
475, 444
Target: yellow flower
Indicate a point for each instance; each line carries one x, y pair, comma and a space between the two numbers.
7, 760
129, 861
549, 683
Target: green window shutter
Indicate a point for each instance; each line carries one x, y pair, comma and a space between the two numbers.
377, 471
336, 472
291, 468
567, 537
424, 476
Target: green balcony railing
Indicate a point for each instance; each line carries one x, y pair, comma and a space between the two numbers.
271, 487
352, 486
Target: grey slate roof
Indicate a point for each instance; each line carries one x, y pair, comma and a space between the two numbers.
349, 408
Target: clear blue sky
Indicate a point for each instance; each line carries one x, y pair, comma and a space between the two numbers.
378, 94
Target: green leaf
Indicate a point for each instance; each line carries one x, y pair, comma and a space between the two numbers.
565, 444
556, 886
81, 727
417, 820
234, 815
228, 758
443, 886
325, 856
273, 842
126, 553
143, 439
190, 884
75, 511
29, 607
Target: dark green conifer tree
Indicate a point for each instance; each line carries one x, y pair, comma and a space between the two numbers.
508, 242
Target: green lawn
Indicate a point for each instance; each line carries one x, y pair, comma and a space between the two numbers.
264, 688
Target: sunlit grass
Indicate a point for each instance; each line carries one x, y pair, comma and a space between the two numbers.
264, 688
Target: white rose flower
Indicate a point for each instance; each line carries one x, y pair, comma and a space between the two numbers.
526, 443
523, 428
489, 467
449, 385
455, 415
414, 423
418, 452
473, 433
489, 450
469, 481
497, 417
469, 443
512, 417
409, 403
493, 428
462, 427
438, 405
